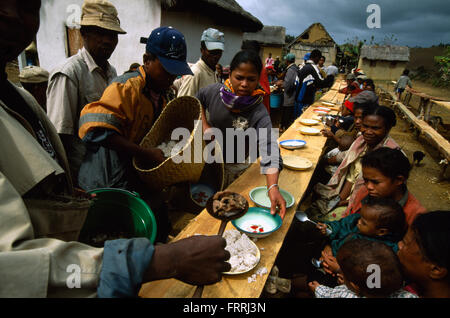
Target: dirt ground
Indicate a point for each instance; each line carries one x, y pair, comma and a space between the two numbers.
423, 180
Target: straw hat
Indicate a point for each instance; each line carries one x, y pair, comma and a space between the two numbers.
33, 74
102, 14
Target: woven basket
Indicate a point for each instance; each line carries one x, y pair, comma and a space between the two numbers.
179, 113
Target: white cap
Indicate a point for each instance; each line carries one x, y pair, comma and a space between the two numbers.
214, 39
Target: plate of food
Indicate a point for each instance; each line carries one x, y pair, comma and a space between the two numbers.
329, 104
226, 205
244, 253
326, 109
259, 196
292, 144
308, 122
296, 163
309, 131
258, 222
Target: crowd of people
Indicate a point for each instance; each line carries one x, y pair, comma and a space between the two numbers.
77, 128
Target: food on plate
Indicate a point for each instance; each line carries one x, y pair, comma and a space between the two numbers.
226, 204
244, 254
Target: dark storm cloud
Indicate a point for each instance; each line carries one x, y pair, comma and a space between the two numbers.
413, 23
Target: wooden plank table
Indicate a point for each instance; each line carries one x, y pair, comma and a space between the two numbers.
295, 182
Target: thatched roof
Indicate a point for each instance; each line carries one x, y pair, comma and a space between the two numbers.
225, 12
269, 35
385, 53
327, 40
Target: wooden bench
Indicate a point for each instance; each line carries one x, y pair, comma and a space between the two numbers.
425, 130
426, 102
295, 182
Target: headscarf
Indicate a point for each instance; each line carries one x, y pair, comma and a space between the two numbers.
239, 104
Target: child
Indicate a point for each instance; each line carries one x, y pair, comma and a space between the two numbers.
385, 172
369, 269
346, 119
380, 220
335, 156
401, 84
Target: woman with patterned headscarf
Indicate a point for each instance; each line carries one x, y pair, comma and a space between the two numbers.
236, 111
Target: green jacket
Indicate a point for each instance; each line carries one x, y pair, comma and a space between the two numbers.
345, 229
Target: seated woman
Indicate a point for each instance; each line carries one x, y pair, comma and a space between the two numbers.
334, 138
237, 105
385, 172
424, 254
376, 124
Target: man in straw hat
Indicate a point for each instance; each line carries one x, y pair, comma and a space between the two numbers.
114, 126
35, 80
33, 166
82, 78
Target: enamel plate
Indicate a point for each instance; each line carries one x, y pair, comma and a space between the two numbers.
309, 131
258, 256
292, 143
320, 112
308, 122
296, 163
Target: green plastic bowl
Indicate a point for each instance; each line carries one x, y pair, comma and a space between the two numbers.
119, 210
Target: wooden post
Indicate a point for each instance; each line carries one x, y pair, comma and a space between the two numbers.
427, 106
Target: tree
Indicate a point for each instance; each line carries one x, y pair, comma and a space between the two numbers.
443, 63
289, 38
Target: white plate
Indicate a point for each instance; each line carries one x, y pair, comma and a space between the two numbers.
308, 122
323, 108
309, 131
258, 256
292, 143
296, 163
328, 104
320, 112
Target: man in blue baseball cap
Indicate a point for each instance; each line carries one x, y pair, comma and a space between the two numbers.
114, 126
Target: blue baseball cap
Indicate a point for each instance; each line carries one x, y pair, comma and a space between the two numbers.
169, 45
307, 56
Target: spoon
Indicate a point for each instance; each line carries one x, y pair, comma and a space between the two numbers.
316, 263
230, 215
302, 217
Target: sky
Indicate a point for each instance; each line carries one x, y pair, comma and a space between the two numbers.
402, 22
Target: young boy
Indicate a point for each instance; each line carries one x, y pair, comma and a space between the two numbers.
380, 220
369, 269
401, 84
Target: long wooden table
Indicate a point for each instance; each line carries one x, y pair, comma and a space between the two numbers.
295, 182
